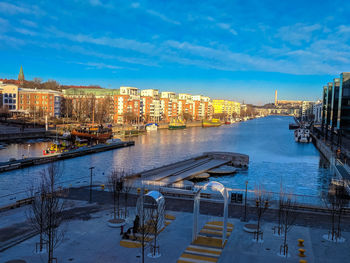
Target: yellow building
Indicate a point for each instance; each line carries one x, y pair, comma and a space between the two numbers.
226, 106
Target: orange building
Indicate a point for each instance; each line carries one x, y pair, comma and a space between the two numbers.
126, 104
42, 102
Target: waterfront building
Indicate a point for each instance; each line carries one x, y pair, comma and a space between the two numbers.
153, 93
227, 107
184, 96
329, 93
166, 108
317, 112
324, 107
129, 91
40, 102
9, 96
290, 103
343, 123
168, 95
334, 104
307, 110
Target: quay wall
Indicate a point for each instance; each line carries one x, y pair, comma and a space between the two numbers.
323, 148
25, 135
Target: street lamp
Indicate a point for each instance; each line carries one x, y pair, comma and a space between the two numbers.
91, 168
245, 201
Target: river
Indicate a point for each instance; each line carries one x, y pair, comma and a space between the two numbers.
275, 159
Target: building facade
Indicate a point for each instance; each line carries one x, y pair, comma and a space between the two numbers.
40, 102
9, 96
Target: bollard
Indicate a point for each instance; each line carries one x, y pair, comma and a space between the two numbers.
102, 187
138, 190
300, 242
301, 252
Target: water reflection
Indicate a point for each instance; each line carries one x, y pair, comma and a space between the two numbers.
274, 157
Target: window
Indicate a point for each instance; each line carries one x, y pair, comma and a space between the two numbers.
5, 95
6, 101
14, 95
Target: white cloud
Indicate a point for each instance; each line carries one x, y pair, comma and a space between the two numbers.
162, 17
227, 27
25, 31
19, 9
98, 65
28, 23
298, 33
122, 43
135, 5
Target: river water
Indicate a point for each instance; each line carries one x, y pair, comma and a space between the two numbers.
275, 159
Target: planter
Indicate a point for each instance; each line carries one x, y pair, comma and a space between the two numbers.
116, 222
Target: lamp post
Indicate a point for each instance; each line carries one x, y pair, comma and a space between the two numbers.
91, 168
245, 201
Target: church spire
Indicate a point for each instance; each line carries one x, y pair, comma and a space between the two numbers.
21, 76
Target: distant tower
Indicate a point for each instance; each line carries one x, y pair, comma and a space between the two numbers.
21, 76
276, 101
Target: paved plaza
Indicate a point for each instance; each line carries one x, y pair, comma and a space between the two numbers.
89, 239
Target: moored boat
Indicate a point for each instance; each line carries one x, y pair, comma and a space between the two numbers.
151, 126
97, 133
211, 123
176, 124
302, 135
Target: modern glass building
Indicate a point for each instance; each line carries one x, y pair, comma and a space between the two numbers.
328, 106
324, 106
343, 122
335, 104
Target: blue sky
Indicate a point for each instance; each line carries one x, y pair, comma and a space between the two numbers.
241, 50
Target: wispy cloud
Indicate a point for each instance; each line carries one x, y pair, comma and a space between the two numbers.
12, 9
28, 23
122, 43
25, 31
227, 27
162, 17
298, 33
98, 65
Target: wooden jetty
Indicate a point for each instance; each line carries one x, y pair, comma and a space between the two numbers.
17, 164
188, 169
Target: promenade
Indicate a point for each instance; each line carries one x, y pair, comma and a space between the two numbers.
94, 241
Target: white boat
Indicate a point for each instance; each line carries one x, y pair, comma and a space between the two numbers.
302, 135
113, 140
66, 135
151, 127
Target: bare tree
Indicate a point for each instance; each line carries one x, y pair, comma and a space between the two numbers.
287, 219
261, 204
46, 212
115, 185
127, 186
156, 223
144, 229
335, 204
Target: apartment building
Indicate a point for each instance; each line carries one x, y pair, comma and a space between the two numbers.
9, 96
40, 102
